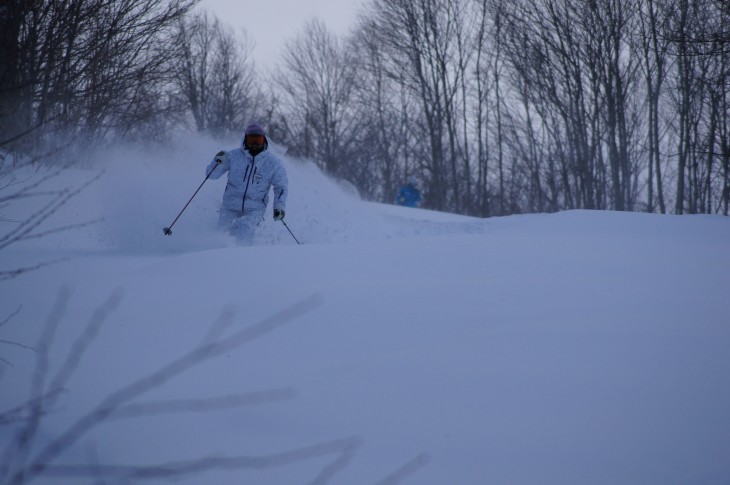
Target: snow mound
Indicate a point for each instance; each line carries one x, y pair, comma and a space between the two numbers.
140, 192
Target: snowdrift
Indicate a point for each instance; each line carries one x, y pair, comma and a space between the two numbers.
393, 346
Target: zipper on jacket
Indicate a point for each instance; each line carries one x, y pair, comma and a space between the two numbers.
248, 181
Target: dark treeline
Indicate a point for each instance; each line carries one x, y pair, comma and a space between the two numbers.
496, 106
84, 69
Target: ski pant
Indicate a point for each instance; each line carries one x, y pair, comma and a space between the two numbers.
241, 225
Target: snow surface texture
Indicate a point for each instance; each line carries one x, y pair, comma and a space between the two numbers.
428, 348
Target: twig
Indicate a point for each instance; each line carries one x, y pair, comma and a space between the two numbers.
16, 344
25, 229
16, 453
201, 405
406, 470
8, 275
183, 468
18, 413
117, 399
78, 349
339, 464
9, 317
219, 326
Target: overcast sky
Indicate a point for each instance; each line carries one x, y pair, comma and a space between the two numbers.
269, 23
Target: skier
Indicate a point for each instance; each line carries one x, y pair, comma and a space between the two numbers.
252, 171
409, 195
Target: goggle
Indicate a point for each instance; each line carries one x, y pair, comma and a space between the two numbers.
255, 139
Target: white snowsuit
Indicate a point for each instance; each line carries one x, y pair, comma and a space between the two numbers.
247, 192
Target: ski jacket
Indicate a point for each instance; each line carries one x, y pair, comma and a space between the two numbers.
250, 179
408, 196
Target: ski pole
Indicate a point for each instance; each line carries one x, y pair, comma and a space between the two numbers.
292, 234
168, 230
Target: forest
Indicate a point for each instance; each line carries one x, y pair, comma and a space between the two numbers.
497, 107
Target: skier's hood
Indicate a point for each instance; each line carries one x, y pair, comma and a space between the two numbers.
254, 129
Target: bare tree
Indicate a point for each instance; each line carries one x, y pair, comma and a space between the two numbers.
698, 97
504, 106
481, 110
84, 66
610, 23
426, 43
215, 75
654, 47
71, 74
317, 84
386, 141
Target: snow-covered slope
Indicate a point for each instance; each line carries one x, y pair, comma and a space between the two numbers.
418, 347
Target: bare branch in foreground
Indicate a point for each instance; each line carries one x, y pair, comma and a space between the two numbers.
8, 275
339, 464
15, 456
406, 470
25, 230
79, 347
10, 317
184, 468
232, 401
11, 342
25, 471
16, 344
22, 412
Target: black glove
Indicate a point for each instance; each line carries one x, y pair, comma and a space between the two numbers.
278, 214
220, 156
